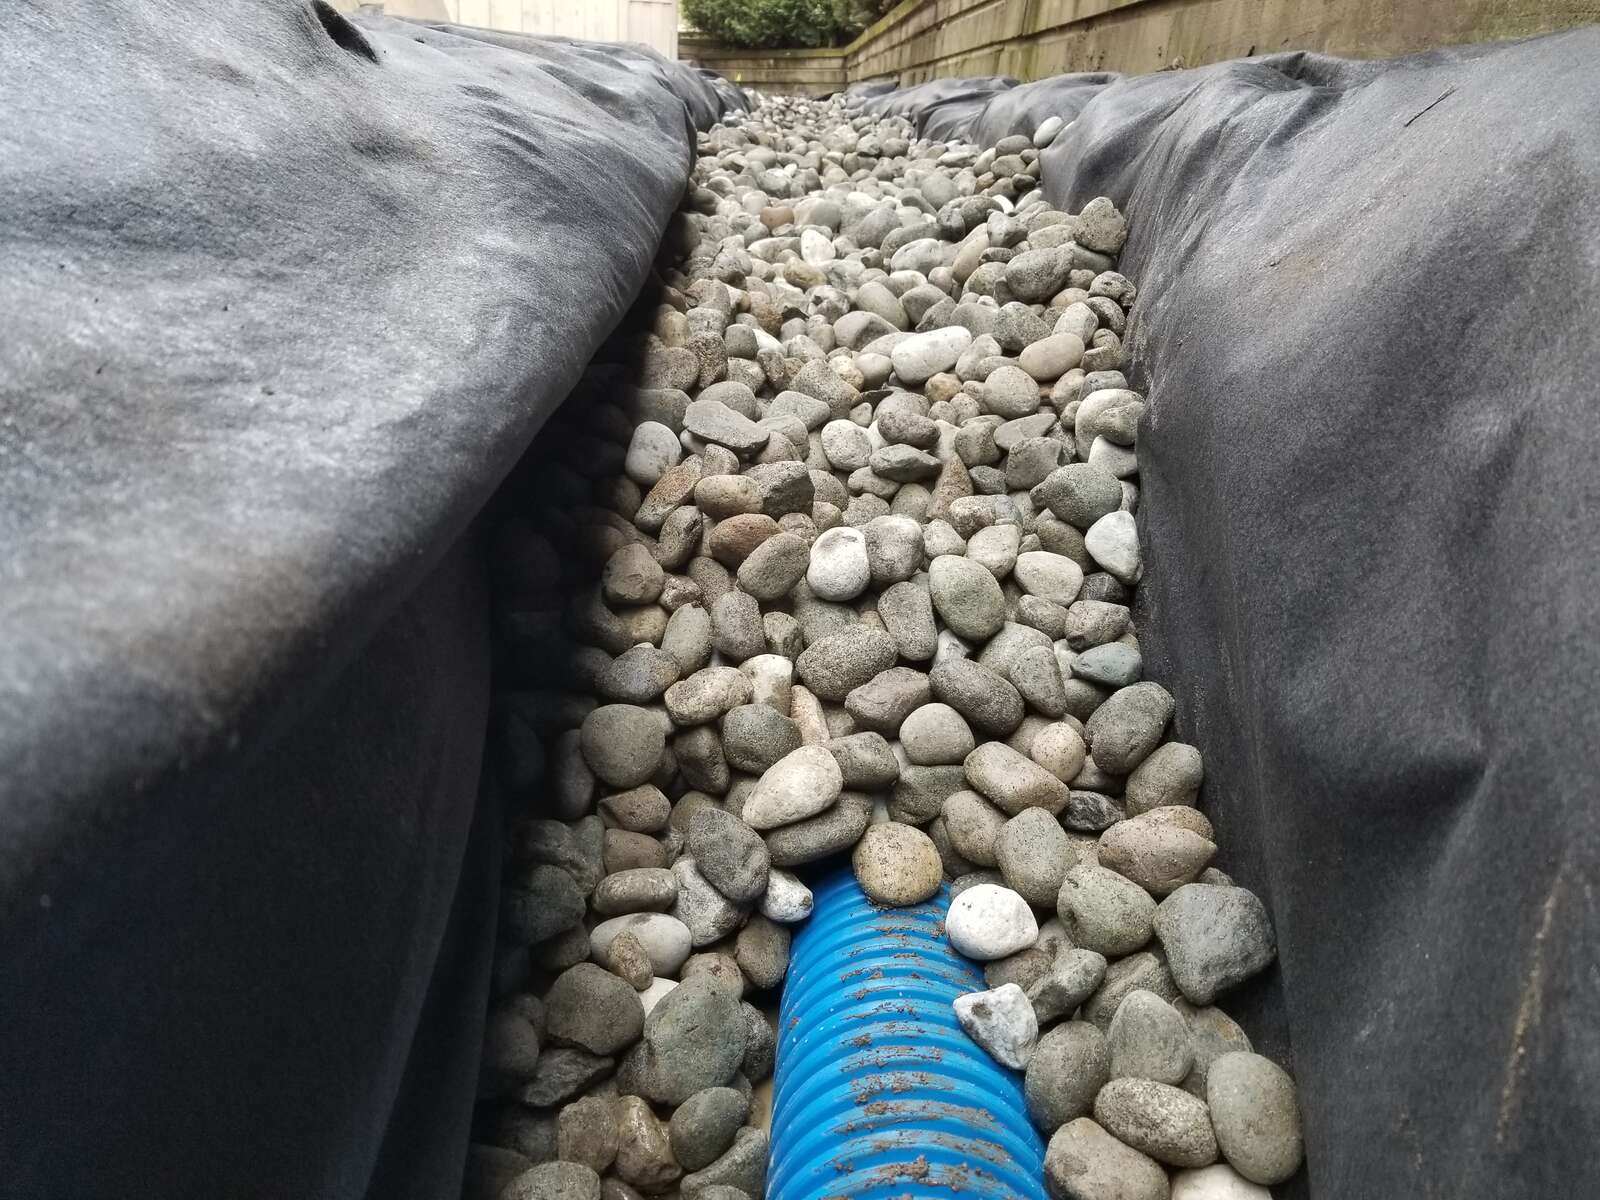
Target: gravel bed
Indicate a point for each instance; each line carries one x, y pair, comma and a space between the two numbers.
833, 552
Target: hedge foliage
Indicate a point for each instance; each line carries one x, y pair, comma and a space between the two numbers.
783, 24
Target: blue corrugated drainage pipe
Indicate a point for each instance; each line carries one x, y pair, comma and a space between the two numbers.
879, 1094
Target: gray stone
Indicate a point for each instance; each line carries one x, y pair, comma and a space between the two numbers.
1010, 392
894, 548
714, 421
1013, 782
754, 736
1068, 1068
918, 358
1105, 912
730, 855
562, 1073
1084, 1162
1256, 1115
643, 809
760, 1045
773, 568
1149, 1040
640, 675
554, 1181
1144, 970
1212, 1033
837, 828
838, 568
1168, 1124
1090, 812
1101, 228
907, 614
693, 1040
1032, 853
1158, 854
935, 735
834, 665
920, 792
1079, 494
1170, 775
706, 912
704, 1125
1215, 938
707, 694
1115, 665
632, 576
866, 761
762, 951
1113, 542
887, 699
1036, 675
742, 1166
622, 744
981, 695
995, 549
717, 967
1128, 726
966, 596
688, 638
586, 1132
973, 825
736, 629
897, 865
540, 903
1072, 977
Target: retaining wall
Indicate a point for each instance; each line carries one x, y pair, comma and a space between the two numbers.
1034, 39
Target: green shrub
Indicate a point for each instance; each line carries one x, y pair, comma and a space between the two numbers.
783, 23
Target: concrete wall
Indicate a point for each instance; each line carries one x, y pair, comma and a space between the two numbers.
1033, 39
653, 22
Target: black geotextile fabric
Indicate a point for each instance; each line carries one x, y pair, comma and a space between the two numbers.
1024, 108
1372, 537
734, 97
941, 109
283, 298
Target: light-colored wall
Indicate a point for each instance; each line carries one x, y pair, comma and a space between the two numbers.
653, 22
1033, 39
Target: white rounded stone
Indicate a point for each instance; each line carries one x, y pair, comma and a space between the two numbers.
989, 922
657, 992
1216, 1182
1113, 542
839, 568
787, 899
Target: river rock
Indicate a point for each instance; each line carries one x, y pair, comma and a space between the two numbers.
897, 865
988, 922
1256, 1115
1002, 1022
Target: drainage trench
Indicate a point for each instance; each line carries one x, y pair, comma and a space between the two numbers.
821, 729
